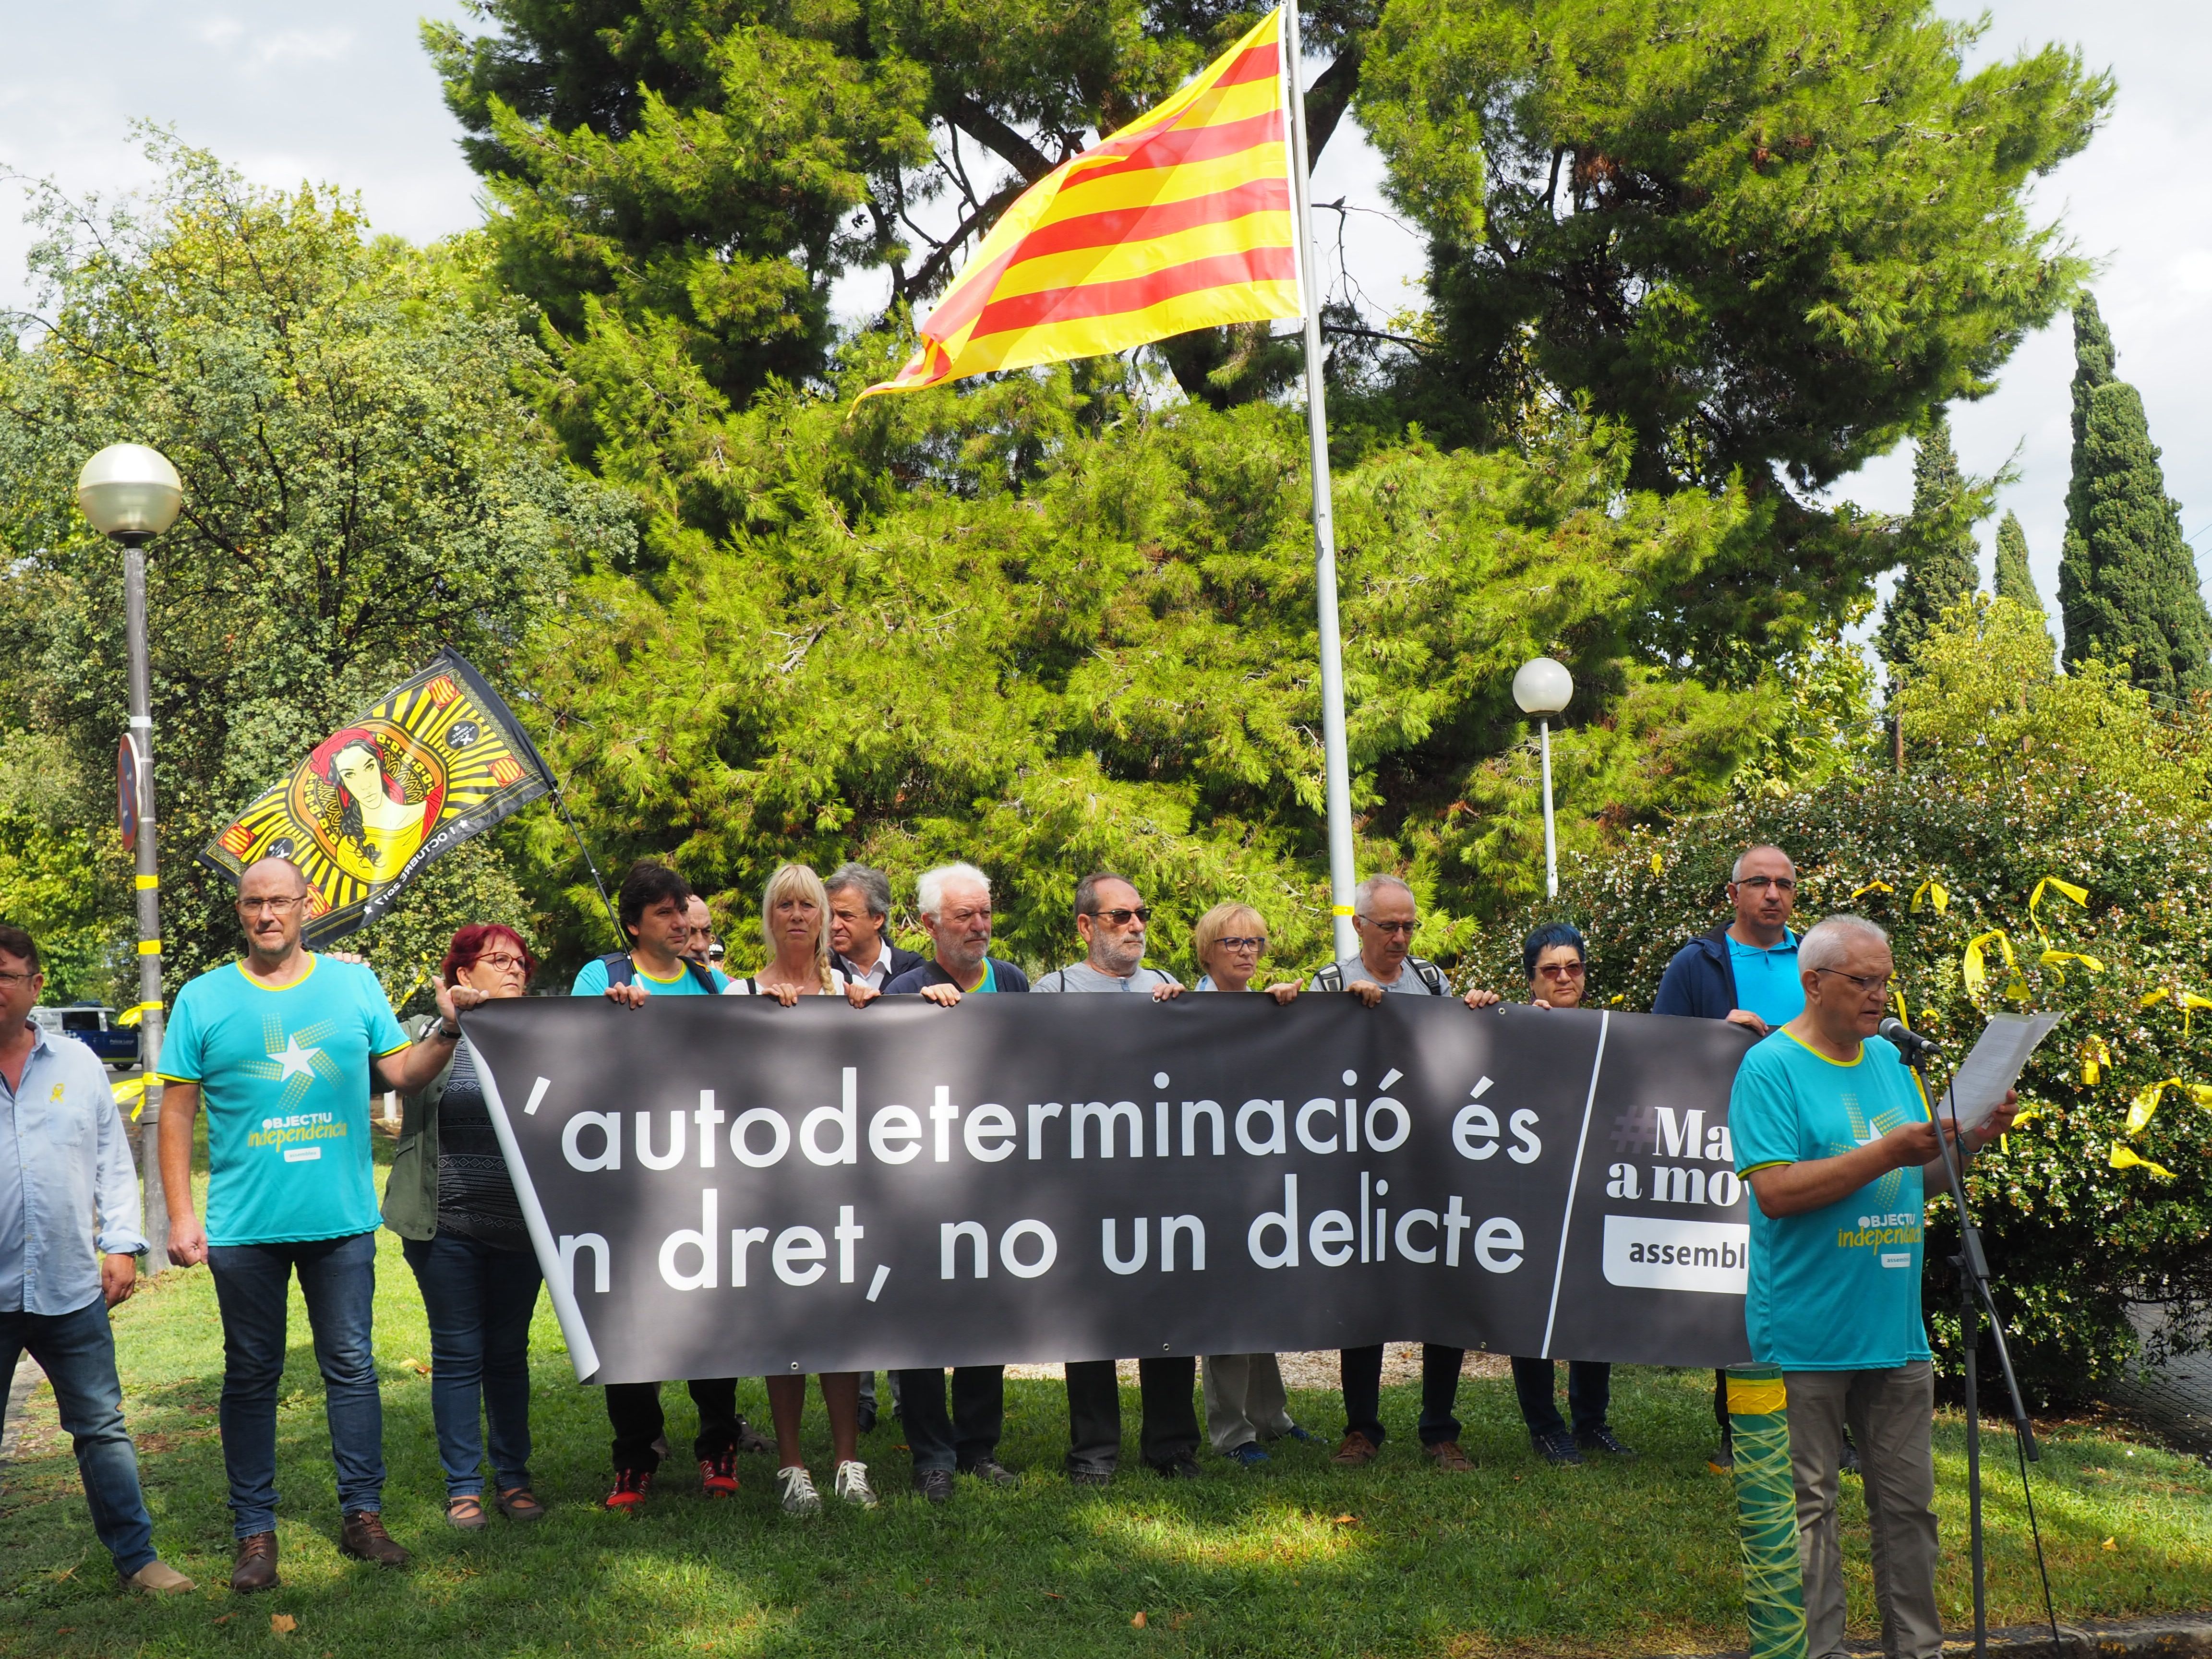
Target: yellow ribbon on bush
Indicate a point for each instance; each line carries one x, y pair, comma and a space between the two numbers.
1938, 895
2095, 1056
1974, 971
2050, 959
2079, 895
2147, 1100
2123, 1159
1875, 886
2187, 1001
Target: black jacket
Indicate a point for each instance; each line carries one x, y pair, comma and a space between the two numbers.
1700, 981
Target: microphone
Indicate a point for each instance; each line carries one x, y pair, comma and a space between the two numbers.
1911, 1042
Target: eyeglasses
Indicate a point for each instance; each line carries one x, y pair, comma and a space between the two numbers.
1227, 943
16, 979
503, 961
275, 907
1561, 969
1119, 918
1396, 929
1868, 984
1780, 883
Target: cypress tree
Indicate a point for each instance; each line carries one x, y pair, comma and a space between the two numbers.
1941, 564
2127, 580
2015, 580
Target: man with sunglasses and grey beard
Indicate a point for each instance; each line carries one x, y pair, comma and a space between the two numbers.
1112, 919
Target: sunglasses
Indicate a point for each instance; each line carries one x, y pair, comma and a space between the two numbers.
1119, 918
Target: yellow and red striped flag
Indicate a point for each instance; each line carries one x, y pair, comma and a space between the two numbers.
1182, 220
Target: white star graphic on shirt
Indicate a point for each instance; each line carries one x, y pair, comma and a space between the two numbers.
295, 1061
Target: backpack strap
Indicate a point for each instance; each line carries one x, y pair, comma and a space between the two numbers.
702, 977
620, 969
1429, 975
1330, 978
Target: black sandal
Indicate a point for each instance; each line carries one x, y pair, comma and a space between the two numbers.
467, 1513
518, 1504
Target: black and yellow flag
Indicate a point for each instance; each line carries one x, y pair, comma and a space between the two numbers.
440, 758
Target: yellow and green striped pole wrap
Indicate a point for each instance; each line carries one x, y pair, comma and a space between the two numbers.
1766, 1512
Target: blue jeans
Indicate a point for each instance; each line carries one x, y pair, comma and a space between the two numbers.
77, 1350
479, 1298
338, 1277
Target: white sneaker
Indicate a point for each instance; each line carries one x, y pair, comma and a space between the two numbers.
800, 1497
852, 1484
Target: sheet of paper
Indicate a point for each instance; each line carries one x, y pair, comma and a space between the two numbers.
1985, 1076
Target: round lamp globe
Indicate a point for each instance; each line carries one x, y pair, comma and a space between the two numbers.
130, 490
1542, 686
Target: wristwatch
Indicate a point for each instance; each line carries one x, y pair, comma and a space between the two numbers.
451, 1033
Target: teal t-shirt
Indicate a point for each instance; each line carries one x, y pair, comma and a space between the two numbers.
592, 981
284, 1079
1766, 980
1835, 1289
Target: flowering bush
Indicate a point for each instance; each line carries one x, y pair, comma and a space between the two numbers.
2090, 1206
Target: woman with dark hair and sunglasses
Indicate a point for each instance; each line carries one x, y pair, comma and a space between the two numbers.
1555, 963
460, 1227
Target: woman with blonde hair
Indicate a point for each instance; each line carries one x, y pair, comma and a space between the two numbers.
795, 926
1244, 1399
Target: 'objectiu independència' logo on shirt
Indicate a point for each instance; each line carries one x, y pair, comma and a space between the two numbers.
1875, 1232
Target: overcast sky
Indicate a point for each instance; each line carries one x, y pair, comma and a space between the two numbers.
283, 96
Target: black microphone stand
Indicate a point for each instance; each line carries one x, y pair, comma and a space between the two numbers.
1974, 1303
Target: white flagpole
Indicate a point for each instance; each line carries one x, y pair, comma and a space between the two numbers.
1338, 768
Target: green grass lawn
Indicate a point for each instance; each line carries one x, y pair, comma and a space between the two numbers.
1294, 1559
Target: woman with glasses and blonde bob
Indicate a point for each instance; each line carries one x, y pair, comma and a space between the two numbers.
1555, 963
1244, 1399
461, 1228
795, 926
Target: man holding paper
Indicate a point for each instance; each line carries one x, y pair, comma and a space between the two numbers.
1835, 1143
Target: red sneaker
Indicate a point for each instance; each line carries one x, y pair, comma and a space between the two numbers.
629, 1491
718, 1475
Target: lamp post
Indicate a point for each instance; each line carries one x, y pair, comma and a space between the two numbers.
131, 494
1543, 688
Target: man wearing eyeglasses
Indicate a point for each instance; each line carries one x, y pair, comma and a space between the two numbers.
283, 1045
1384, 917
1832, 1138
1744, 971
1112, 917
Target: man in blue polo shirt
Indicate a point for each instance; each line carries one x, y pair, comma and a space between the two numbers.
1834, 1141
1744, 971
282, 1047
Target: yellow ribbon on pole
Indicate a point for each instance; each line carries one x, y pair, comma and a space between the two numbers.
1937, 896
2067, 888
2123, 1159
133, 1094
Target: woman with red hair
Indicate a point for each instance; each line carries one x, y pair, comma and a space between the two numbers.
460, 1227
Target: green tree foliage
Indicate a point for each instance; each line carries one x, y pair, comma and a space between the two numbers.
1044, 628
2127, 580
362, 485
63, 880
1768, 238
2015, 580
699, 171
1940, 557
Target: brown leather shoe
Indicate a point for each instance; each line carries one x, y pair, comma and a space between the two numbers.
363, 1537
255, 1567
1356, 1452
1447, 1455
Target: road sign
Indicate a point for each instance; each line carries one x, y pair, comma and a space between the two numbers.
126, 791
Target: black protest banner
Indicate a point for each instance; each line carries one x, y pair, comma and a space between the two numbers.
726, 1186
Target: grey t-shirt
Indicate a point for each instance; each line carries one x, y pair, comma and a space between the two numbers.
1082, 976
1354, 970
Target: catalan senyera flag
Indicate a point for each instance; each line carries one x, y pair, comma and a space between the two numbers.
439, 759
1182, 220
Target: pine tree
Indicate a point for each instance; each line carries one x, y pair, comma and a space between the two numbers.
2127, 582
2015, 580
1942, 564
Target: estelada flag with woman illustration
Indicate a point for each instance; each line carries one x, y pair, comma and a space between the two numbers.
438, 759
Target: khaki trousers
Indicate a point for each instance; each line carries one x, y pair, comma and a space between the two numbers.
1890, 1412
1244, 1400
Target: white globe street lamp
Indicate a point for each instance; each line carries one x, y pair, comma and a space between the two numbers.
1543, 688
131, 494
